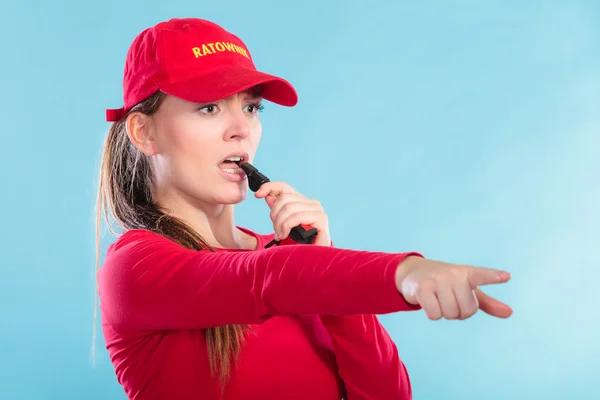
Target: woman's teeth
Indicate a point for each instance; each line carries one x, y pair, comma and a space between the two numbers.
233, 162
233, 171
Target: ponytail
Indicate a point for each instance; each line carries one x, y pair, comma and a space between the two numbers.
125, 199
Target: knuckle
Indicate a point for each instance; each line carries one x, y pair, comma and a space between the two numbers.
425, 287
454, 314
285, 208
472, 309
462, 271
449, 274
295, 218
281, 197
434, 315
301, 215
464, 315
439, 275
273, 215
456, 272
288, 224
469, 312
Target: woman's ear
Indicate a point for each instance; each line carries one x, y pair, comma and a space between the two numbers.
139, 128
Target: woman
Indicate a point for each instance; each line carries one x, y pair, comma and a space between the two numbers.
194, 307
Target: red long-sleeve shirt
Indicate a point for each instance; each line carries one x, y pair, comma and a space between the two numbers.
311, 309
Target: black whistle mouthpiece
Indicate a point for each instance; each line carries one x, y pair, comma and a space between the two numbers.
255, 178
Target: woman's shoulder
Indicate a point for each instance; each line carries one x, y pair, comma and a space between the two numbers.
134, 245
135, 236
144, 237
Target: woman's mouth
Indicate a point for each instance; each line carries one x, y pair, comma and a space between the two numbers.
231, 165
230, 169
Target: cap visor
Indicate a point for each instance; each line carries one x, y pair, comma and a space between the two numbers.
224, 82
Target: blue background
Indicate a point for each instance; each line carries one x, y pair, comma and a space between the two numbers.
468, 132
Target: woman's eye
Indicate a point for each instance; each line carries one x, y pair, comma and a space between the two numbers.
254, 108
209, 109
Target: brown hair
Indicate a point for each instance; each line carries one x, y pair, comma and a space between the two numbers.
125, 194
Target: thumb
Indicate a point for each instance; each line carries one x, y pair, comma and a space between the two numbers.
491, 306
486, 276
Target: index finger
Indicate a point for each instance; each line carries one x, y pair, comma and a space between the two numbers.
275, 188
486, 276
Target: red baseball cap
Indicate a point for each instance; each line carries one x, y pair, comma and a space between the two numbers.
195, 60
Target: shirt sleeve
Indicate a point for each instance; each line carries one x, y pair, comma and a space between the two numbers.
367, 358
148, 282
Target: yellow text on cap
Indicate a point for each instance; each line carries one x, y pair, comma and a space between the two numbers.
212, 48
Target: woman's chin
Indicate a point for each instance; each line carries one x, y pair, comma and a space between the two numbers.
233, 196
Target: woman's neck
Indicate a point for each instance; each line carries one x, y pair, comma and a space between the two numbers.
214, 222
